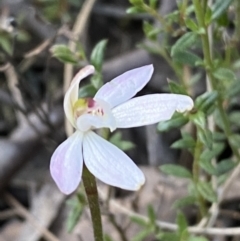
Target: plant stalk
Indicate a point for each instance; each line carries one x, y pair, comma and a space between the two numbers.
209, 69
197, 153
92, 196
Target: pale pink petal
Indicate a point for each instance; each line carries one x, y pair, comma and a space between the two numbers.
71, 95
125, 86
150, 109
67, 162
89, 121
110, 164
86, 122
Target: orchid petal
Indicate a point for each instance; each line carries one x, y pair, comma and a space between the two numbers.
86, 122
71, 95
125, 86
150, 109
110, 164
89, 121
67, 163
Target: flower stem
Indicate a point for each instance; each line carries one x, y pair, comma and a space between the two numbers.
92, 196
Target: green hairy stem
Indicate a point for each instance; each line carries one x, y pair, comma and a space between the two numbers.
92, 196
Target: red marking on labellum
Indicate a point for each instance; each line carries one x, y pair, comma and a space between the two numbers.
91, 103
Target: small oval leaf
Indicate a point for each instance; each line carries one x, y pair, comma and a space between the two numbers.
176, 170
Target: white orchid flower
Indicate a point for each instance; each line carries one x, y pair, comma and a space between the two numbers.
111, 107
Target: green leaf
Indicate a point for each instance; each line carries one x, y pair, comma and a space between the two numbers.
233, 90
192, 191
195, 238
190, 9
96, 80
97, 54
182, 223
173, 16
207, 166
153, 4
186, 57
224, 74
151, 214
151, 48
223, 20
134, 10
147, 27
116, 139
218, 120
167, 236
186, 41
236, 64
208, 155
234, 118
183, 202
208, 16
142, 235
199, 119
235, 140
225, 166
6, 45
184, 235
207, 191
176, 170
80, 52
191, 24
77, 204
219, 7
221, 168
205, 101
176, 88
201, 31
150, 31
216, 150
205, 135
176, 121
187, 142
222, 179
218, 136
64, 54
152, 35
126, 145
87, 91
136, 2
139, 221
107, 238
23, 36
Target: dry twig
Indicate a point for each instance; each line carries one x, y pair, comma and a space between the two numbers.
115, 207
8, 214
12, 81
23, 212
